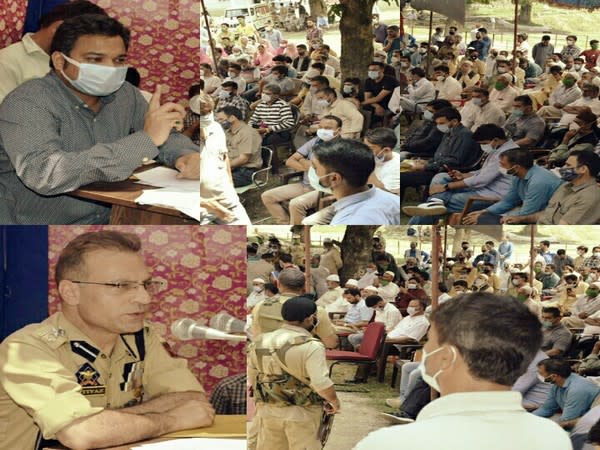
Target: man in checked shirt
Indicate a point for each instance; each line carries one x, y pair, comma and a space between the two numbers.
80, 124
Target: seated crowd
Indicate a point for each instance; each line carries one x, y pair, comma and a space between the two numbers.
340, 134
489, 144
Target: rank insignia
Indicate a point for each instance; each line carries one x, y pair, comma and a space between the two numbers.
87, 377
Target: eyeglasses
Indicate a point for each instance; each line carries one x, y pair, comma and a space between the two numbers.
152, 287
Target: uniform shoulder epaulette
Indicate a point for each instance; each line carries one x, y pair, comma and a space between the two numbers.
51, 335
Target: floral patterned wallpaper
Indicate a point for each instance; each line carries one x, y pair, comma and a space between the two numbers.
12, 18
165, 39
204, 268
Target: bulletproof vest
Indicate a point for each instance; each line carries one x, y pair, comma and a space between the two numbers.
282, 388
269, 318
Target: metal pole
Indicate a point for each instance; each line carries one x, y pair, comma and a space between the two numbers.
532, 261
210, 39
307, 267
435, 265
444, 254
429, 42
514, 64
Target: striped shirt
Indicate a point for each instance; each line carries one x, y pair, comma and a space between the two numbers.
51, 143
277, 115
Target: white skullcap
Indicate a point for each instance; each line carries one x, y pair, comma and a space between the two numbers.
333, 278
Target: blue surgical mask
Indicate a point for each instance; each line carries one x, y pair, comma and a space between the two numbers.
373, 74
476, 101
517, 112
315, 181
487, 148
428, 115
347, 89
96, 79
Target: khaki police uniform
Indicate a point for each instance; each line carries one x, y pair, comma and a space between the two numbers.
266, 317
297, 252
52, 374
288, 409
331, 260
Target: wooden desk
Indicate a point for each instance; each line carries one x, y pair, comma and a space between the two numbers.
224, 427
121, 196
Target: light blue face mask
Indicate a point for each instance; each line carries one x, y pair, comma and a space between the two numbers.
96, 79
428, 115
315, 181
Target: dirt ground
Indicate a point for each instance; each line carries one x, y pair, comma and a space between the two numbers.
357, 419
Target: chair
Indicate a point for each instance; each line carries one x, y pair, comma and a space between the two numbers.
260, 178
368, 352
405, 351
288, 144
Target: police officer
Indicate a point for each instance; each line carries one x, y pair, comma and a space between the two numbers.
93, 375
289, 375
266, 315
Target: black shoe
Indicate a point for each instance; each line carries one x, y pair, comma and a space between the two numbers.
356, 381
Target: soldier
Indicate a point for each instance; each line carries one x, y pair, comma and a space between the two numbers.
297, 250
93, 375
331, 259
289, 374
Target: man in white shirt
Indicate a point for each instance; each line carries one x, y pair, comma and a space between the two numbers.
586, 306
412, 328
331, 105
503, 93
358, 313
448, 88
589, 100
29, 58
480, 111
387, 288
394, 104
385, 312
477, 408
386, 175
334, 292
258, 293
564, 94
420, 92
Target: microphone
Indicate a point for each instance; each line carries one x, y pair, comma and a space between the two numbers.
186, 329
224, 321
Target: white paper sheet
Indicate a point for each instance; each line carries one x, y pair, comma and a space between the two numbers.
184, 201
195, 444
166, 177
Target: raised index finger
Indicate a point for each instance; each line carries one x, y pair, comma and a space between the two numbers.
154, 103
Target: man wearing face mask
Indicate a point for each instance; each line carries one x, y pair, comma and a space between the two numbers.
531, 189
412, 328
257, 294
585, 306
83, 124
378, 90
503, 93
342, 168
477, 408
556, 336
591, 55
423, 137
333, 294
480, 111
582, 135
457, 149
588, 101
386, 175
570, 392
564, 94
301, 196
387, 288
289, 375
243, 145
29, 57
421, 91
228, 96
302, 62
448, 88
331, 105
450, 190
576, 200
570, 50
524, 126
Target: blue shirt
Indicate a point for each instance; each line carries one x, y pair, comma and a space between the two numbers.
534, 391
532, 192
358, 312
371, 207
505, 249
574, 398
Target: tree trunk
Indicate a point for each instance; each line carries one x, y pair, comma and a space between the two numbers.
318, 8
356, 249
526, 12
356, 30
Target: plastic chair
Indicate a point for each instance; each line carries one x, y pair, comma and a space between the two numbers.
368, 352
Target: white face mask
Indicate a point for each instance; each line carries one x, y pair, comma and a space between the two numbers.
476, 101
577, 66
487, 148
224, 94
516, 282
373, 74
432, 380
440, 78
503, 171
502, 70
411, 286
325, 135
479, 282
315, 181
422, 51
323, 102
206, 120
266, 97
428, 115
258, 288
444, 128
95, 79
347, 89
411, 310
597, 254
